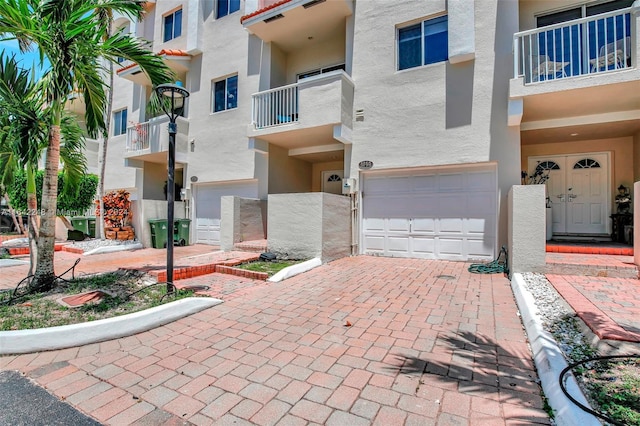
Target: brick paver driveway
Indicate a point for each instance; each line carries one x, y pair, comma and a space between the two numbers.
428, 343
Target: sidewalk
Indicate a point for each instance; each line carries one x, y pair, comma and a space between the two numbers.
146, 259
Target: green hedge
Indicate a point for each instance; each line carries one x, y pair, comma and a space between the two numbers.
70, 203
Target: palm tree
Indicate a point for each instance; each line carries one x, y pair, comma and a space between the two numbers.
69, 34
24, 118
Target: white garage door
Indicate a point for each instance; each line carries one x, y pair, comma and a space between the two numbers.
444, 214
207, 204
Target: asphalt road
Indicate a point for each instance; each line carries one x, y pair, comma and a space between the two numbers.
25, 403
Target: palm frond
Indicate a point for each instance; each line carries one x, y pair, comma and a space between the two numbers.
74, 162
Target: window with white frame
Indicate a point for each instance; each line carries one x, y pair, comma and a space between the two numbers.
226, 7
172, 25
423, 43
120, 122
224, 94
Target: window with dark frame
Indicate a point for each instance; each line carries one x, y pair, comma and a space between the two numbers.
424, 43
225, 94
172, 25
226, 7
120, 122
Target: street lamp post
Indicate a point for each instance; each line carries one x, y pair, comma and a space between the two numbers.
176, 93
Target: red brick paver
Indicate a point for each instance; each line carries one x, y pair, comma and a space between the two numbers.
429, 343
609, 306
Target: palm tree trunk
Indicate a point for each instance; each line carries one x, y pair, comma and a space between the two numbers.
105, 142
32, 207
44, 278
16, 223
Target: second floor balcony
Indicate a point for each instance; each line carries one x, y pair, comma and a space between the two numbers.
149, 141
291, 24
322, 101
593, 45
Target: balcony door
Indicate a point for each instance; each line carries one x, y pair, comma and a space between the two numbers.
578, 190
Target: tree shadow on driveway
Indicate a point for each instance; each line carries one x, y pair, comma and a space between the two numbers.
480, 368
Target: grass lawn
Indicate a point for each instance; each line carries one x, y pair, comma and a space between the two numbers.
270, 268
129, 293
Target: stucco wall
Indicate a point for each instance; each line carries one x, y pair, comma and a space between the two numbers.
527, 231
304, 226
440, 113
287, 174
242, 219
636, 157
622, 157
219, 150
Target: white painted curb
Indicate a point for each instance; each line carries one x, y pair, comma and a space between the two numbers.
112, 249
550, 362
294, 270
67, 336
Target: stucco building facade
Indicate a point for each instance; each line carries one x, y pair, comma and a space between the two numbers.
422, 114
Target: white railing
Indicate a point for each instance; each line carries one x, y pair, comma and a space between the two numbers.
138, 137
275, 107
589, 45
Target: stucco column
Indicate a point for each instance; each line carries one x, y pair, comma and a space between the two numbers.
527, 229
636, 222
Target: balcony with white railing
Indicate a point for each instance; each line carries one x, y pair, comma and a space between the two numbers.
320, 102
149, 141
600, 44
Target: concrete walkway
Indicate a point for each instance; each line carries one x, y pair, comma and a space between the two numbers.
361, 340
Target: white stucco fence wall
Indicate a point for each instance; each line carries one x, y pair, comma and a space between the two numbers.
527, 228
304, 226
241, 219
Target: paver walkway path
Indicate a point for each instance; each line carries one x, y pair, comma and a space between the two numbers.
428, 343
146, 259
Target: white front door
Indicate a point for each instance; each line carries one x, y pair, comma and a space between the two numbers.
578, 190
332, 181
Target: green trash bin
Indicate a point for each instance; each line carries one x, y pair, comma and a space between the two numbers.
91, 226
80, 223
158, 233
181, 231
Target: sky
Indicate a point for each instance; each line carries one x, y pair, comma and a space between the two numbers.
27, 60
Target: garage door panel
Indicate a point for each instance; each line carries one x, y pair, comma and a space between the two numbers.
450, 226
447, 214
451, 182
481, 204
375, 243
424, 246
452, 205
425, 183
451, 247
480, 181
374, 224
398, 244
480, 249
424, 225
398, 225
478, 226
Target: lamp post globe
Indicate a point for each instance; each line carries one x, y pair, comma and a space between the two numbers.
176, 95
